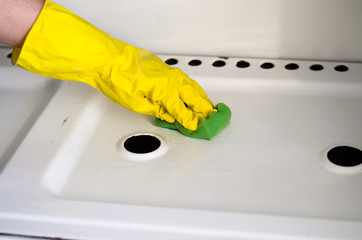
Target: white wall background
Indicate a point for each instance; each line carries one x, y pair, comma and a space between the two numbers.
301, 29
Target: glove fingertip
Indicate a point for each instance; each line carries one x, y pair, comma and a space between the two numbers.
166, 117
193, 123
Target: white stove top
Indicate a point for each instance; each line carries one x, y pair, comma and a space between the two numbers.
267, 175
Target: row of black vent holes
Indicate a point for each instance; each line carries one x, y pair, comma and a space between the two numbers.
266, 65
245, 64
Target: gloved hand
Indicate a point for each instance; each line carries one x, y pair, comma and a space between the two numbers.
62, 45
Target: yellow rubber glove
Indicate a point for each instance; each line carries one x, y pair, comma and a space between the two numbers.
62, 45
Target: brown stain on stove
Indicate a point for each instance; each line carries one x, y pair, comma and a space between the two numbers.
65, 120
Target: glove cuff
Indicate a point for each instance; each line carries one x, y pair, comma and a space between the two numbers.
64, 46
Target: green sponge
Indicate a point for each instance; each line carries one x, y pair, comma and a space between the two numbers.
208, 127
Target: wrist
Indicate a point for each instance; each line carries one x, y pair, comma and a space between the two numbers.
16, 19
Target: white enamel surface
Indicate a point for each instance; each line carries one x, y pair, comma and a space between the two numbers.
23, 96
260, 178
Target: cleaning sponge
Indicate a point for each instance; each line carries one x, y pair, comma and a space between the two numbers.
208, 127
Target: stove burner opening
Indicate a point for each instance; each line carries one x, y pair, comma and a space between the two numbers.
219, 63
242, 64
171, 61
267, 65
345, 156
195, 62
142, 144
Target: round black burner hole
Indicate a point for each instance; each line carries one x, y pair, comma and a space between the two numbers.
267, 65
218, 63
292, 66
171, 61
9, 55
345, 156
195, 62
316, 67
142, 144
242, 64
341, 68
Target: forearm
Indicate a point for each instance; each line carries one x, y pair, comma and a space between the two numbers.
16, 19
